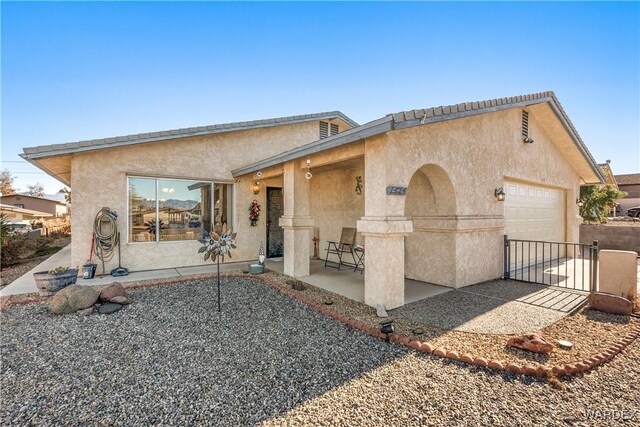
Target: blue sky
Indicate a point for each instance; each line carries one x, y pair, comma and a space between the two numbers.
74, 71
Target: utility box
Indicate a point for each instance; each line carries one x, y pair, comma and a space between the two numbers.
618, 273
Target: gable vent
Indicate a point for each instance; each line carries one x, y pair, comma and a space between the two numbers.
324, 130
525, 127
334, 129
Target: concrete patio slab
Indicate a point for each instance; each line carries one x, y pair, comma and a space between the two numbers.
350, 284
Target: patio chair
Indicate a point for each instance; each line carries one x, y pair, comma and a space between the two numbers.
358, 251
343, 249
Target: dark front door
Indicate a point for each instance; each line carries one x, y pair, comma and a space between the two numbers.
275, 234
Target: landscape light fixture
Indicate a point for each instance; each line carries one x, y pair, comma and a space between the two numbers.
500, 194
387, 328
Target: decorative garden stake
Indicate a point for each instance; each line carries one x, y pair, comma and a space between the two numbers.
216, 245
254, 213
261, 257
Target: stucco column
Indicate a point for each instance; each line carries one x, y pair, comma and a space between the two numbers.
296, 221
384, 262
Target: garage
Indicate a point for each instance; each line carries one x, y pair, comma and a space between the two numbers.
534, 213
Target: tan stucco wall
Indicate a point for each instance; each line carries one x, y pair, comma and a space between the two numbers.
335, 203
99, 179
35, 204
457, 240
618, 273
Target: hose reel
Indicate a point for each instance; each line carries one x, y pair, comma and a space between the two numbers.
106, 238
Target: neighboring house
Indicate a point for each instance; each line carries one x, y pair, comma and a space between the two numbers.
427, 210
16, 214
629, 183
39, 204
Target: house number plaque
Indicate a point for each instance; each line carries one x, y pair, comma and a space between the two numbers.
396, 191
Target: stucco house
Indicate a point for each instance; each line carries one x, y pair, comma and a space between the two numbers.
38, 204
629, 183
15, 214
429, 207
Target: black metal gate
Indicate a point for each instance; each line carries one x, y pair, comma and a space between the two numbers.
563, 264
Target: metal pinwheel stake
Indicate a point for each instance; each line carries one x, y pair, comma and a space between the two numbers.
217, 244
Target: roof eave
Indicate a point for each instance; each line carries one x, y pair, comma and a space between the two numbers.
561, 115
375, 127
37, 164
32, 153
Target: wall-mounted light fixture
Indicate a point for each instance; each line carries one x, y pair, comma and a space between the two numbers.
259, 174
256, 187
308, 175
500, 194
579, 202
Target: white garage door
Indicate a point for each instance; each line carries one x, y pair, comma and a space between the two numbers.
534, 213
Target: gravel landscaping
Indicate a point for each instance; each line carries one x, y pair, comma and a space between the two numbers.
589, 330
170, 358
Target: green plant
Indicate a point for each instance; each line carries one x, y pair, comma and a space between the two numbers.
4, 228
12, 249
58, 270
597, 201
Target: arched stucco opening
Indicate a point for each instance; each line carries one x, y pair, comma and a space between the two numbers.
431, 204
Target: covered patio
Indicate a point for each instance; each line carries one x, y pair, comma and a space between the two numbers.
350, 284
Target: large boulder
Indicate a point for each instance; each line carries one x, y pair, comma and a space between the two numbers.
111, 291
612, 304
531, 342
73, 298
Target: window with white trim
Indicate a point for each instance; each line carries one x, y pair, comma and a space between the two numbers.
167, 209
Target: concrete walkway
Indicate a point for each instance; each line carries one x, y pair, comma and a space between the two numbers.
26, 285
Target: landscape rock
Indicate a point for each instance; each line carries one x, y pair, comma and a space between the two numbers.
73, 298
111, 291
611, 304
120, 300
531, 342
85, 311
109, 308
381, 311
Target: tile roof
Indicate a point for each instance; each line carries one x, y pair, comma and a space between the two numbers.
469, 108
455, 109
116, 141
410, 118
628, 179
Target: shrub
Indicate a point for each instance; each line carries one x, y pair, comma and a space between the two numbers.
597, 201
13, 248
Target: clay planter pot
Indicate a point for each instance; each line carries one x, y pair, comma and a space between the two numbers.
49, 284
